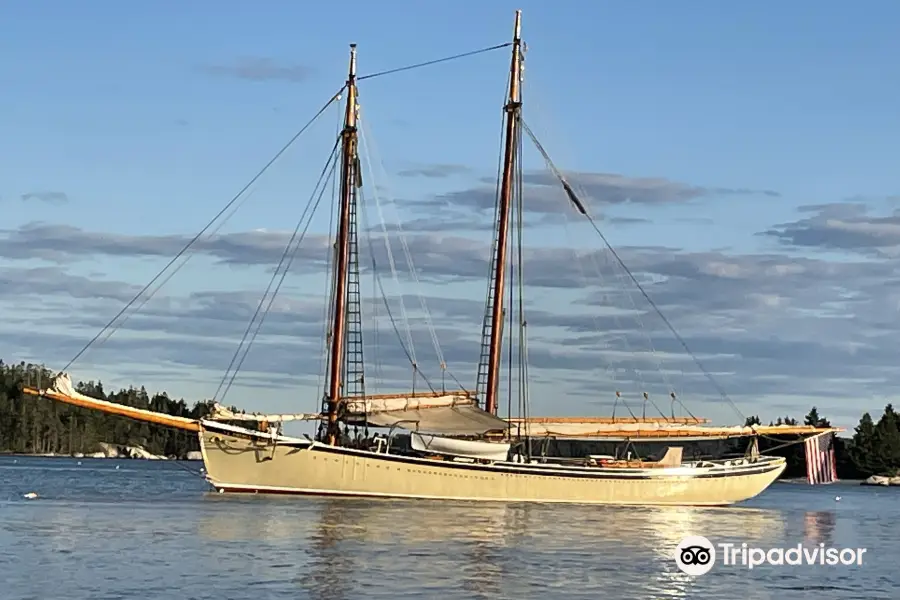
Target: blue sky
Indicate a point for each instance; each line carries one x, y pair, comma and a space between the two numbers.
742, 158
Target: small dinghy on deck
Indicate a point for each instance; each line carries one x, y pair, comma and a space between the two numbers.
474, 449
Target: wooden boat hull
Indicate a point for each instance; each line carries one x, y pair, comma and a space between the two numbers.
244, 461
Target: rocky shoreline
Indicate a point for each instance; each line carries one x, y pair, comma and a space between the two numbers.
882, 481
118, 451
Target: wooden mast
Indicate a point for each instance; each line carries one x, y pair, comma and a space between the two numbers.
339, 316
513, 108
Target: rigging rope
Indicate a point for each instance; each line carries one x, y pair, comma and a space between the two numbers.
389, 251
434, 62
641, 383
483, 359
581, 208
174, 271
202, 231
376, 276
288, 254
366, 137
328, 290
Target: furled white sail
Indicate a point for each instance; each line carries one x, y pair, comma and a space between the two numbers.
647, 429
220, 413
450, 413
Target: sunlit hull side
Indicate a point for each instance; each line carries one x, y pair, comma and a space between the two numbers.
244, 461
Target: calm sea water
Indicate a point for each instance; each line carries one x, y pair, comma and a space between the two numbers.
120, 529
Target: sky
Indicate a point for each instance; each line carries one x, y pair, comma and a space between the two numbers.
740, 158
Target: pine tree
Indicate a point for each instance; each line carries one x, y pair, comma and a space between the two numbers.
887, 433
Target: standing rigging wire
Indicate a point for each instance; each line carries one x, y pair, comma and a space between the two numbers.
377, 277
324, 358
483, 364
434, 62
524, 399
570, 193
289, 253
405, 246
202, 231
174, 271
387, 246
641, 382
364, 222
515, 274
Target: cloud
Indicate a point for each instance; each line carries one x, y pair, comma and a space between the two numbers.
601, 188
437, 171
48, 197
66, 242
260, 69
545, 202
51, 281
627, 221
606, 188
847, 226
779, 333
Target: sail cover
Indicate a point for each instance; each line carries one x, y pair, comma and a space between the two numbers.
451, 413
571, 428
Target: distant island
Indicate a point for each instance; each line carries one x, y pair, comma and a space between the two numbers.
38, 426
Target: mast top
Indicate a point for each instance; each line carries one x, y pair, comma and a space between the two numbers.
517, 32
352, 61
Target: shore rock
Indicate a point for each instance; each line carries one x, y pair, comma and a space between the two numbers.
194, 455
108, 450
882, 481
113, 451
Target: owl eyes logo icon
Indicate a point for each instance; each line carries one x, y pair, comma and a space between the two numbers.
695, 555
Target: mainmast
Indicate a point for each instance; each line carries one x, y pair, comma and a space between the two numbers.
513, 110
348, 181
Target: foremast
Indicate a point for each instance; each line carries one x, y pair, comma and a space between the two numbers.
349, 177
494, 308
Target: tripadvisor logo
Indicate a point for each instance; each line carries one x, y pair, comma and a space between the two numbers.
696, 555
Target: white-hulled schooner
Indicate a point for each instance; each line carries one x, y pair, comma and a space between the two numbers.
459, 448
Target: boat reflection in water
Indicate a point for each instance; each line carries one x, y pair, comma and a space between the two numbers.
350, 548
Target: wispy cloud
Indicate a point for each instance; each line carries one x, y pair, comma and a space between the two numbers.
48, 197
260, 69
842, 226
543, 195
439, 171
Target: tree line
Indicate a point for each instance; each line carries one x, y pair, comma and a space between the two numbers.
874, 448
33, 425
30, 425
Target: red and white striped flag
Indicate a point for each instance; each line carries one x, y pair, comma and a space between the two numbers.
820, 463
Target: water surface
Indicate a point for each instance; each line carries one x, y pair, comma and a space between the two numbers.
104, 529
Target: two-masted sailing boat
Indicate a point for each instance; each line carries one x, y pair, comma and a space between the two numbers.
459, 448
